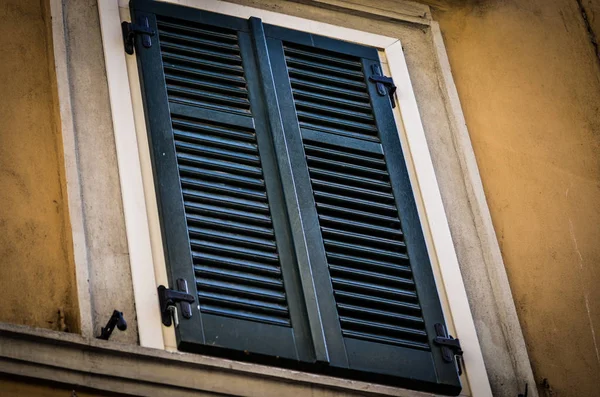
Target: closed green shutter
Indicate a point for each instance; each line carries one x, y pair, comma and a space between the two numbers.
285, 200
222, 213
355, 196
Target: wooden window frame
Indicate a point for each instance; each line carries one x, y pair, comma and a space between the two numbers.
141, 216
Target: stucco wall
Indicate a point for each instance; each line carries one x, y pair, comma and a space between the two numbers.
36, 264
24, 388
529, 83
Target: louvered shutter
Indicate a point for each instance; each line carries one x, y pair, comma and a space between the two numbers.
285, 201
373, 274
222, 213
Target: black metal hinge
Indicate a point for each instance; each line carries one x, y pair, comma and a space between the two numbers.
167, 299
116, 320
131, 30
451, 349
385, 85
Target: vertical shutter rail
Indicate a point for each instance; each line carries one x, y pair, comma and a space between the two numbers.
274, 117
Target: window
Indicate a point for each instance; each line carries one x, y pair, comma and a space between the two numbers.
285, 202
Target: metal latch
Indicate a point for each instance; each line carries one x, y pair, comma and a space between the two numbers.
130, 30
385, 85
450, 346
168, 298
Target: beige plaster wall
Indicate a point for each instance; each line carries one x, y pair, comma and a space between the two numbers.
529, 83
36, 264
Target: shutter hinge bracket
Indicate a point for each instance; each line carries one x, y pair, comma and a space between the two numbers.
130, 30
385, 85
168, 298
450, 346
116, 320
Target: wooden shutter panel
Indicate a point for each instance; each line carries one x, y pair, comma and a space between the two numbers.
223, 218
355, 196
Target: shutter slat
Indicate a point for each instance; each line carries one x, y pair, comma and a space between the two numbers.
232, 238
213, 163
223, 310
344, 83
308, 53
377, 301
331, 100
353, 224
319, 121
389, 315
228, 213
320, 67
335, 257
215, 141
206, 85
344, 200
237, 180
238, 276
234, 156
388, 328
236, 263
324, 89
359, 250
355, 180
229, 201
197, 41
200, 63
347, 166
231, 249
245, 291
363, 239
352, 213
200, 52
327, 186
221, 188
252, 304
320, 150
178, 25
371, 275
331, 111
375, 289
383, 339
232, 136
191, 95
230, 78
214, 221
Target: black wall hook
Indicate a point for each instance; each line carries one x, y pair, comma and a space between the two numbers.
115, 320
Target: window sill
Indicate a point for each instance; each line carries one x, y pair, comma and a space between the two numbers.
115, 367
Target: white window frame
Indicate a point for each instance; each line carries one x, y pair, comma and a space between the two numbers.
148, 267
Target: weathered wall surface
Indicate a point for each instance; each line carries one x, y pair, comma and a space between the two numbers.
36, 251
107, 252
529, 83
36, 264
24, 388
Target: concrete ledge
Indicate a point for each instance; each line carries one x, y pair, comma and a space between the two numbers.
115, 367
